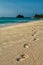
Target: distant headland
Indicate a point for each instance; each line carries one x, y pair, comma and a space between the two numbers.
35, 16
38, 16
19, 16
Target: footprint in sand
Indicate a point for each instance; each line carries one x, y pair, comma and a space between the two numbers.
18, 59
34, 36
34, 33
34, 39
22, 57
26, 46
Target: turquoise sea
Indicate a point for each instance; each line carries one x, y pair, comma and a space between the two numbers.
11, 20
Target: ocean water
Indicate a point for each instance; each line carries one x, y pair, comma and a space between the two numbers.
11, 20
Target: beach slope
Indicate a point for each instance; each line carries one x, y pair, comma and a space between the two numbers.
22, 44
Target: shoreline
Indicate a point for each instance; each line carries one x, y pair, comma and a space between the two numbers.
17, 24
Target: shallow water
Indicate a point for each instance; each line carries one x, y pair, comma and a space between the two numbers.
15, 20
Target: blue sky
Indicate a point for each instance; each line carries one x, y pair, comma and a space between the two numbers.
25, 7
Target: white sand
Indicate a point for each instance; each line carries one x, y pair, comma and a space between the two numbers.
12, 40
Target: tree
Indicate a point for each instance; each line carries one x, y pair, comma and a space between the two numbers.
19, 16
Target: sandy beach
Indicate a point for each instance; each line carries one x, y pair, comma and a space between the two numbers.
22, 44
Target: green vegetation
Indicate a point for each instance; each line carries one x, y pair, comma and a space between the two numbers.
19, 16
38, 16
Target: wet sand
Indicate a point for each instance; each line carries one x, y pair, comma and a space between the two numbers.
22, 44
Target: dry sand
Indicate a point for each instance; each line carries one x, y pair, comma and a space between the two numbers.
22, 44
